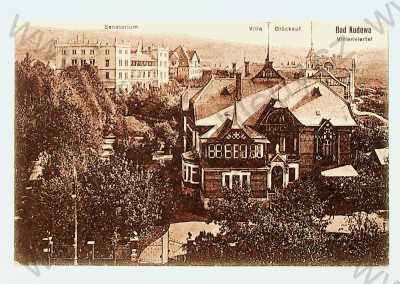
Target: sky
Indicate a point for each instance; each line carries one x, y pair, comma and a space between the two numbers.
324, 33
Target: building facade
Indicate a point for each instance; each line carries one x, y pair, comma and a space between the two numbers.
185, 64
119, 64
261, 131
336, 71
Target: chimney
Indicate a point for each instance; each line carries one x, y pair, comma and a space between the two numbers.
233, 67
246, 68
238, 86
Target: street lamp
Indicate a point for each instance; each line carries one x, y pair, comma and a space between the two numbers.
76, 231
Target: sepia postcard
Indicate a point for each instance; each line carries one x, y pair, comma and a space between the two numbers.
206, 144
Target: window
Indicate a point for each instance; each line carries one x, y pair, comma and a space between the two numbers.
218, 151
126, 62
228, 151
295, 144
107, 62
190, 173
131, 74
126, 51
326, 142
327, 148
253, 150
92, 61
132, 63
107, 75
119, 75
243, 151
185, 172
83, 61
64, 52
235, 177
74, 51
282, 143
92, 52
194, 174
259, 151
292, 174
74, 62
236, 151
126, 75
211, 151
120, 62
107, 51
63, 62
83, 52
120, 51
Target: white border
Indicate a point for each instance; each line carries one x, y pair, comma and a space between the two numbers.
203, 10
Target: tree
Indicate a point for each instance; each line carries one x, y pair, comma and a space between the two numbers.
366, 242
111, 197
290, 231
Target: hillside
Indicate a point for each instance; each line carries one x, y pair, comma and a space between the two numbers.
213, 53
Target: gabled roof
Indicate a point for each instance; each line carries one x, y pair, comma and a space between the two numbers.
334, 74
336, 61
184, 55
217, 94
220, 131
297, 96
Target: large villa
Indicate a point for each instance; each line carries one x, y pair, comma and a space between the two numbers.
258, 129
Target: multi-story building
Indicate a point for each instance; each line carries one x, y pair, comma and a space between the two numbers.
185, 64
336, 71
261, 131
120, 66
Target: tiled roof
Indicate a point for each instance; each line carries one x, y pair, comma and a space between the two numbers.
217, 94
184, 55
186, 96
300, 99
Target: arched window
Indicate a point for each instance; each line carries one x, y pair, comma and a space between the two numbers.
326, 142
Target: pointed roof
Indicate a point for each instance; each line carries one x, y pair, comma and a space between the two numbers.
184, 55
220, 131
279, 158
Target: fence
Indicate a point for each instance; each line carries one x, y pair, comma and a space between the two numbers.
159, 252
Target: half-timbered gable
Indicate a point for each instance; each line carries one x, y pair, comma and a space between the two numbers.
263, 138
